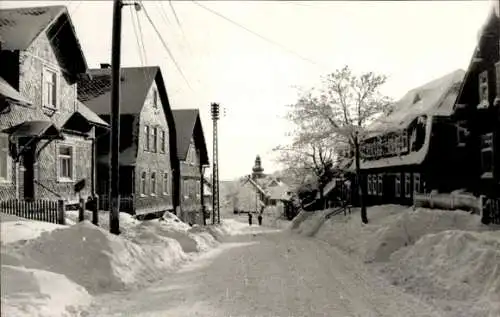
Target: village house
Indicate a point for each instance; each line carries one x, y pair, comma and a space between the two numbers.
47, 137
258, 190
476, 146
193, 156
408, 150
148, 156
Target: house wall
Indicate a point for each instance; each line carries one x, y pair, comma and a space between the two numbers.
482, 120
31, 65
150, 162
247, 198
190, 187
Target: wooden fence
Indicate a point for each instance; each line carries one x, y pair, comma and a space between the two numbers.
53, 211
491, 210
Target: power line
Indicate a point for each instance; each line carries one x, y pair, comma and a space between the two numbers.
141, 57
141, 37
165, 45
256, 34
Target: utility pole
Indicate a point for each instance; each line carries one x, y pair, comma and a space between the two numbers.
215, 164
114, 195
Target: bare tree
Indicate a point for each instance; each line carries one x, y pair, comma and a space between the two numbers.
340, 110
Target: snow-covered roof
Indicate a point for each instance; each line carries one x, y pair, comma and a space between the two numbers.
434, 98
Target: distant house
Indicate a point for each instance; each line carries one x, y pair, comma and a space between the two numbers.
207, 196
47, 137
476, 138
409, 150
148, 156
258, 190
193, 155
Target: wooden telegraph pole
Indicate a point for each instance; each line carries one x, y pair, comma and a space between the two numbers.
114, 195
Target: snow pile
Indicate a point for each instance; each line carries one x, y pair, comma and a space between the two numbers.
12, 231
29, 292
98, 260
127, 221
452, 267
446, 257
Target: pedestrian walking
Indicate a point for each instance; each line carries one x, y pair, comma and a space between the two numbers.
259, 218
249, 218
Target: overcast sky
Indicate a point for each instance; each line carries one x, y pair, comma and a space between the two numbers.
411, 42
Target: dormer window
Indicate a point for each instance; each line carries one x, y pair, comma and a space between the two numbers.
417, 98
483, 90
49, 88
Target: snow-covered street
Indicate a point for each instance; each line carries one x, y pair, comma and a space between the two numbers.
271, 274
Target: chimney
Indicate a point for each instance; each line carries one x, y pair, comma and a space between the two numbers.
105, 65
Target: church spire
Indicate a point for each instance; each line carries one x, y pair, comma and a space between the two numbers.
257, 170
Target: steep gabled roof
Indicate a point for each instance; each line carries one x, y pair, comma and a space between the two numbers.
188, 125
19, 27
95, 93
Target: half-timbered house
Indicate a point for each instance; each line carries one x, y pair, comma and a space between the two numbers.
148, 157
193, 155
47, 137
409, 150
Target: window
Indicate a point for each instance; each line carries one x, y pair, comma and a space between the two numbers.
143, 183
380, 184
397, 190
166, 184
497, 65
146, 138
407, 185
4, 158
487, 155
370, 184
462, 133
153, 183
185, 189
154, 139
162, 141
49, 88
483, 90
404, 141
416, 183
155, 98
65, 156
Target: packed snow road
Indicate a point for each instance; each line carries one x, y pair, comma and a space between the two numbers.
272, 274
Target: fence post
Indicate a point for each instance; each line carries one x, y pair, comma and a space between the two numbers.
81, 210
95, 208
61, 212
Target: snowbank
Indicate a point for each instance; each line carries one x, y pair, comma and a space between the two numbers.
127, 221
13, 231
98, 260
446, 257
36, 293
452, 267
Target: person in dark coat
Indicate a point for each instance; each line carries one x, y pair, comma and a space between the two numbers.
249, 218
259, 218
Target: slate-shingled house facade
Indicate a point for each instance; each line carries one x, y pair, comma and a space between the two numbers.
193, 156
148, 158
46, 136
409, 150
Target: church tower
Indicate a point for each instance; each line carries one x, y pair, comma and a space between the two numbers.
257, 170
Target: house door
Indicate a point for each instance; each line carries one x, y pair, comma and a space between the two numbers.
28, 174
389, 188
